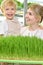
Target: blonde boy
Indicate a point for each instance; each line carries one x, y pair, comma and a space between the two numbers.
8, 8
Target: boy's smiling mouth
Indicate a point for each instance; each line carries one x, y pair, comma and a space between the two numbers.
10, 14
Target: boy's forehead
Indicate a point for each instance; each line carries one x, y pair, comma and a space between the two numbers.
8, 7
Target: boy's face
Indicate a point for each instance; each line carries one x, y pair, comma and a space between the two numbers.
9, 12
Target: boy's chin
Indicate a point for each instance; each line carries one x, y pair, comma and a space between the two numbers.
10, 18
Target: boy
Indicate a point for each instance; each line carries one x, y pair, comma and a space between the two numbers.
8, 8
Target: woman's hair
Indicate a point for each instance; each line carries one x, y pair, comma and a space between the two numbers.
38, 9
8, 3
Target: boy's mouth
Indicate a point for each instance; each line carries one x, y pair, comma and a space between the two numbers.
10, 14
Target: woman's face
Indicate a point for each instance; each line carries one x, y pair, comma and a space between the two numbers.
9, 12
31, 17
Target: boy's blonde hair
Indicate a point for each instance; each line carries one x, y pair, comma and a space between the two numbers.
8, 3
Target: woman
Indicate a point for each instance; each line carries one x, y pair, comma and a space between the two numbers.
34, 17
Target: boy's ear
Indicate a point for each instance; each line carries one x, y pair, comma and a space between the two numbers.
2, 11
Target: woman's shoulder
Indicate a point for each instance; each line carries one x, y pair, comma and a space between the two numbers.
40, 27
24, 27
40, 32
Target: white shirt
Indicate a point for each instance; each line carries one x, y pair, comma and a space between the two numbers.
26, 32
10, 27
3, 27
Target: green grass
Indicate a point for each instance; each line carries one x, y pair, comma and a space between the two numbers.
21, 48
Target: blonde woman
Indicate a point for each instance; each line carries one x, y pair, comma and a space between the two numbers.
34, 16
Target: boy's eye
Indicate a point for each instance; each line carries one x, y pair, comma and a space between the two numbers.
12, 8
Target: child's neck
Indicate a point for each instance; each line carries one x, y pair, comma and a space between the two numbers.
33, 27
9, 19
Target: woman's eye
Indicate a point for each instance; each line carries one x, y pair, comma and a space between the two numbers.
7, 9
30, 13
